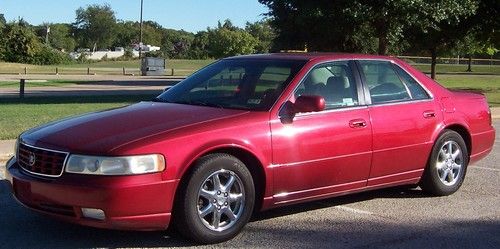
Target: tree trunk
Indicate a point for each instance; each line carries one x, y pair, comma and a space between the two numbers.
433, 63
469, 67
382, 45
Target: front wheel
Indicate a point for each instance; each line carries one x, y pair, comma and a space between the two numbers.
216, 201
447, 165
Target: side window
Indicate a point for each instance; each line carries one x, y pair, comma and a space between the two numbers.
383, 82
416, 90
334, 82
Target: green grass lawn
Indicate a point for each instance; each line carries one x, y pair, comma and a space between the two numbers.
460, 69
39, 83
181, 67
488, 84
17, 115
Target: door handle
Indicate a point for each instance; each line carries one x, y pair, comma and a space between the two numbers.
429, 114
357, 123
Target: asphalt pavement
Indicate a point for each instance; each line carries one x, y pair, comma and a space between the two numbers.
390, 218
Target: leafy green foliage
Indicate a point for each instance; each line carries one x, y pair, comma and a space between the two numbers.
95, 26
21, 43
59, 36
264, 34
228, 40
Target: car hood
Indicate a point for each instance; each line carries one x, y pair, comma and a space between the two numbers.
102, 132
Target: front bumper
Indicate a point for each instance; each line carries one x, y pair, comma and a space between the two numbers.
140, 202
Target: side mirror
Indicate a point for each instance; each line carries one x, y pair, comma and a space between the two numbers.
309, 103
304, 103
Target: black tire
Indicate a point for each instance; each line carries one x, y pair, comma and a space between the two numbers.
436, 180
189, 201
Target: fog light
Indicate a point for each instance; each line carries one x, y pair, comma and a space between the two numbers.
93, 213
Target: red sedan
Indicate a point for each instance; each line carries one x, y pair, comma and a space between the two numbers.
250, 133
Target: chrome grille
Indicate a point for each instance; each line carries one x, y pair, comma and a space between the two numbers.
40, 161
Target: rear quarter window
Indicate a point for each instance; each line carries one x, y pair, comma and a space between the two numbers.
416, 90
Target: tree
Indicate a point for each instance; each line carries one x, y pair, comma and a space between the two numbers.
21, 43
23, 46
95, 26
470, 45
450, 24
199, 46
263, 32
227, 40
177, 43
61, 37
2, 20
320, 25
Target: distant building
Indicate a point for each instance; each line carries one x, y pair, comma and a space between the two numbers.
146, 48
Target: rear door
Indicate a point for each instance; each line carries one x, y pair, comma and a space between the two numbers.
403, 116
323, 152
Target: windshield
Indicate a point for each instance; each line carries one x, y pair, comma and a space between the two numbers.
250, 84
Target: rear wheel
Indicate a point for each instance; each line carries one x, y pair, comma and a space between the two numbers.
216, 201
447, 166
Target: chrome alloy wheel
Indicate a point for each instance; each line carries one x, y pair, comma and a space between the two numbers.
221, 200
449, 163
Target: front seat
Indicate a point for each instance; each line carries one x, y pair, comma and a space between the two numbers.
336, 90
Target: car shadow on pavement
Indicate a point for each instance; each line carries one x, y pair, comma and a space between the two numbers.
21, 228
392, 193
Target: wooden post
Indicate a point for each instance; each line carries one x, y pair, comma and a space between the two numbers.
172, 71
25, 70
123, 70
57, 71
21, 88
88, 70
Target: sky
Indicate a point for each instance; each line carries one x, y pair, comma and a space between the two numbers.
190, 15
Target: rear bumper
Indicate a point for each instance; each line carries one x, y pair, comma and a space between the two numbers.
142, 202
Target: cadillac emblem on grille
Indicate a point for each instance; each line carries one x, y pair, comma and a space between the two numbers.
31, 159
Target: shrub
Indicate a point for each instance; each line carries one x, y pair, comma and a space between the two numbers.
49, 56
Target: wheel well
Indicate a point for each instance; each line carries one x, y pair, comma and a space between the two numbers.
251, 162
464, 133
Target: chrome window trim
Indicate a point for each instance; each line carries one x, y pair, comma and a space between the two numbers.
40, 148
350, 108
403, 102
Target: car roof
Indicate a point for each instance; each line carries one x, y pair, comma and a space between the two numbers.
312, 56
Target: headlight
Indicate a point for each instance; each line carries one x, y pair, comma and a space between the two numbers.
125, 165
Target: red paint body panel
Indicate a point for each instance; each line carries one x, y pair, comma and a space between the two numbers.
309, 154
317, 155
402, 136
130, 202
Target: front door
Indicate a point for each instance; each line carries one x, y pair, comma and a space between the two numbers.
321, 153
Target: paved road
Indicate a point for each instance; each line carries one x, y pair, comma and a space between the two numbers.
380, 219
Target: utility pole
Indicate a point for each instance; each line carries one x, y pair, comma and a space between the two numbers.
140, 40
47, 34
